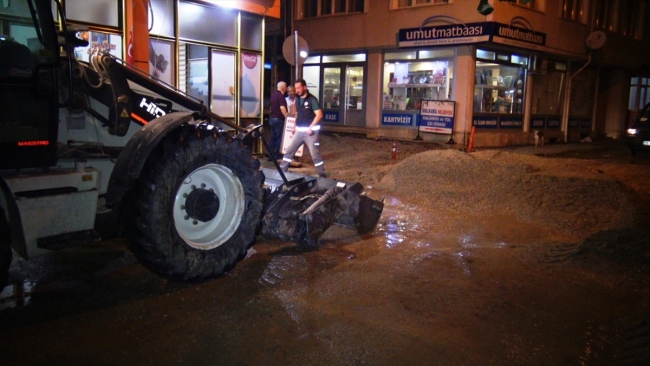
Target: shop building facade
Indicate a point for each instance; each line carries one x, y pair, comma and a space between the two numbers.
524, 67
211, 50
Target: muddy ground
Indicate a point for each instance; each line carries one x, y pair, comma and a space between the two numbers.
517, 256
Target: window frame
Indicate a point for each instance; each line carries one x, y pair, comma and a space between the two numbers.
334, 10
532, 5
394, 4
627, 20
587, 6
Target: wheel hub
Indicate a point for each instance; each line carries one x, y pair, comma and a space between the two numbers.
208, 206
202, 204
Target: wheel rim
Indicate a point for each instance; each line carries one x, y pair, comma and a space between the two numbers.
208, 206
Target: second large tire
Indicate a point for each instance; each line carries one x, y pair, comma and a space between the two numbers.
162, 235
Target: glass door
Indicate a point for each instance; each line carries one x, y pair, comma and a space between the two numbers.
343, 95
354, 106
333, 99
223, 83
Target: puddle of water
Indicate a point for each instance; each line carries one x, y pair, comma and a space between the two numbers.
284, 269
16, 295
399, 219
469, 241
461, 259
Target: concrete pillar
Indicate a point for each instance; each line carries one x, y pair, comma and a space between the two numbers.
373, 93
618, 93
463, 92
528, 102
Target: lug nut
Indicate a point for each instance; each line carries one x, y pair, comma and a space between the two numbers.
193, 187
182, 207
186, 217
184, 195
195, 222
202, 185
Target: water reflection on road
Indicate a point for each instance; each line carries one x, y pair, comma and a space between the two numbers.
422, 286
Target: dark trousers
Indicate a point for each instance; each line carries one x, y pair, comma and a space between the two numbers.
277, 125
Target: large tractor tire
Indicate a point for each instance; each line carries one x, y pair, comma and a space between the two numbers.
194, 211
5, 250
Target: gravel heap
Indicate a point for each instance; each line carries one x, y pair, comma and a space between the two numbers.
357, 159
500, 182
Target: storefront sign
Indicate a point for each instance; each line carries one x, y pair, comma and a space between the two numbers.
485, 122
585, 124
397, 119
553, 123
444, 35
511, 122
437, 116
537, 123
515, 36
465, 33
331, 116
287, 135
574, 123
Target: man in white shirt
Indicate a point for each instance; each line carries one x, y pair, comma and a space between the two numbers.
291, 100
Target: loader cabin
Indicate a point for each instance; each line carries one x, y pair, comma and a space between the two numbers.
28, 85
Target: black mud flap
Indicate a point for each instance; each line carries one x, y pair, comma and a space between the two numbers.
302, 210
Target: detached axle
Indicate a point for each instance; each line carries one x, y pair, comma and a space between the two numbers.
305, 207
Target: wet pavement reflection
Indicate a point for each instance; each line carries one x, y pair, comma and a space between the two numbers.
424, 288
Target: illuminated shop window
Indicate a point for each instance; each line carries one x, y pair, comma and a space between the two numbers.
221, 29
100, 12
252, 32
499, 84
161, 60
312, 60
251, 85
409, 80
359, 57
99, 42
161, 17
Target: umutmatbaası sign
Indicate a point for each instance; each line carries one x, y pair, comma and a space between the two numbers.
465, 33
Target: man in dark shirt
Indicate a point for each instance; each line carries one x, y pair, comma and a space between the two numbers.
306, 129
276, 119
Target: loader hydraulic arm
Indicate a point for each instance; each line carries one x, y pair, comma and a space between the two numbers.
106, 79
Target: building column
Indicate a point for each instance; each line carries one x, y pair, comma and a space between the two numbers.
528, 102
618, 92
463, 92
373, 93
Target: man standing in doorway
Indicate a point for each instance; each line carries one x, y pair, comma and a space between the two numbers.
291, 100
306, 130
276, 119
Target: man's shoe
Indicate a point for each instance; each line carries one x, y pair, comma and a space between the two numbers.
322, 175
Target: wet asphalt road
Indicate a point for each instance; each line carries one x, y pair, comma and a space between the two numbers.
425, 288
418, 291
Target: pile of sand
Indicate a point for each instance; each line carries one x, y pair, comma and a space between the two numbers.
489, 185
